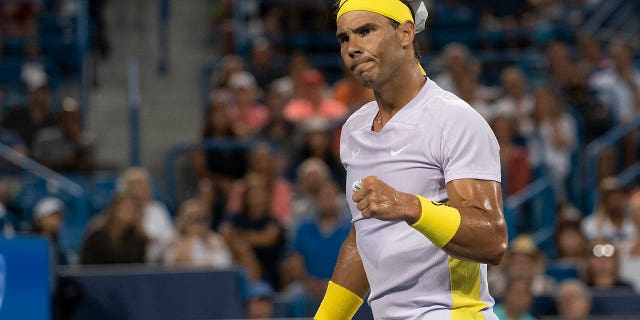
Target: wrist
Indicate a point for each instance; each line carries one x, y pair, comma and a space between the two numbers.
413, 210
438, 222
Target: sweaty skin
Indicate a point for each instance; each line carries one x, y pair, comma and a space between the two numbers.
478, 201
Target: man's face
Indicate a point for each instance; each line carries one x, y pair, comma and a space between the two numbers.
370, 46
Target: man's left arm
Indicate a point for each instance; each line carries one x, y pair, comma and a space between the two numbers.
472, 227
482, 233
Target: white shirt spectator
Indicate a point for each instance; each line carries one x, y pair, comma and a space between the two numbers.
599, 226
615, 93
519, 110
157, 225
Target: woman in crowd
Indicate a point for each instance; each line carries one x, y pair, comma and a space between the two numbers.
116, 236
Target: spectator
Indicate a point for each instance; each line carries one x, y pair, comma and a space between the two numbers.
570, 243
263, 161
260, 301
312, 101
116, 236
317, 144
48, 215
213, 205
156, 220
29, 120
279, 129
630, 250
516, 171
246, 114
222, 166
592, 59
196, 244
228, 66
265, 64
351, 93
561, 68
524, 259
255, 226
12, 140
457, 61
470, 91
619, 85
517, 102
517, 300
64, 148
573, 300
602, 272
610, 221
619, 88
318, 241
310, 175
558, 133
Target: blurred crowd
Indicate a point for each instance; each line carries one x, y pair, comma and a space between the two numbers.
276, 209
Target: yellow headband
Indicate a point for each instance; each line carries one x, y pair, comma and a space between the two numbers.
393, 9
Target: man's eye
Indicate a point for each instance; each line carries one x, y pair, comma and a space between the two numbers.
365, 32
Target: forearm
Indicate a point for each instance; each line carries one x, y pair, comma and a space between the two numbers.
472, 228
480, 237
349, 271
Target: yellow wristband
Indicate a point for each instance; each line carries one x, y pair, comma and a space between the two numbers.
437, 222
338, 303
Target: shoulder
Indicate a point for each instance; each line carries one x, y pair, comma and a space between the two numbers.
446, 107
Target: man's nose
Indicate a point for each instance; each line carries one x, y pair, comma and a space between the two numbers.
354, 48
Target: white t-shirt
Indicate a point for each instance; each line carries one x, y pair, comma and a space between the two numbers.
615, 92
434, 139
158, 227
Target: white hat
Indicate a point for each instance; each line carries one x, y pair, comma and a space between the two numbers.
242, 80
47, 206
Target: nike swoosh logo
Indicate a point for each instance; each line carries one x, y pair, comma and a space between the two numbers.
399, 151
354, 154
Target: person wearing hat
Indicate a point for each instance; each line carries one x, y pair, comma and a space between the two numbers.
611, 220
48, 216
247, 115
424, 171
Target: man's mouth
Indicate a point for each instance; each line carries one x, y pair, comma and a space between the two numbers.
359, 62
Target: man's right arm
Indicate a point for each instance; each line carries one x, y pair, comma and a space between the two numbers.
349, 271
348, 285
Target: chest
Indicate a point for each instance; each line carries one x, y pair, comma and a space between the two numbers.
405, 157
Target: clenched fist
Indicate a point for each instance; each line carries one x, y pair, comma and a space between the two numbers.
376, 199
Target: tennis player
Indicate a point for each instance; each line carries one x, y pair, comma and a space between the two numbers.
425, 169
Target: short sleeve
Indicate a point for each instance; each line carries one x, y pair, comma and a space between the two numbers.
470, 149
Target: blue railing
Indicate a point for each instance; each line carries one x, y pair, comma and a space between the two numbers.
163, 36
593, 152
54, 180
604, 12
82, 38
134, 101
536, 198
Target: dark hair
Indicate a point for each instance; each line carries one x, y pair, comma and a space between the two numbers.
395, 24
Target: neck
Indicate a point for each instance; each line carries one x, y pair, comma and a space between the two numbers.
395, 94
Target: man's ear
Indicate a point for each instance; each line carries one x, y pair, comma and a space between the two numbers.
407, 33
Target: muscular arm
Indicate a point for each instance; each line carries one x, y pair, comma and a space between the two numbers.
349, 271
482, 235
